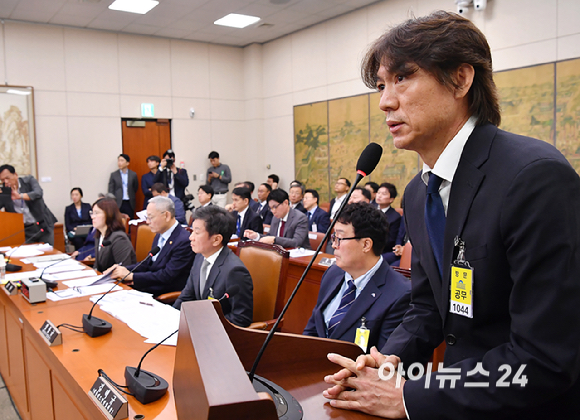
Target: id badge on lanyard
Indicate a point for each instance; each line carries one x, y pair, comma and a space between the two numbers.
461, 287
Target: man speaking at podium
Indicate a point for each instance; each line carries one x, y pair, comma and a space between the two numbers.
494, 220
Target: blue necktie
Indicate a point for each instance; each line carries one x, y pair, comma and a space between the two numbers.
238, 226
309, 221
345, 303
160, 244
435, 219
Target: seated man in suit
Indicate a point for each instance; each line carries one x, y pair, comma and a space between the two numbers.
341, 188
168, 270
123, 184
295, 195
26, 196
243, 214
372, 188
361, 288
253, 204
360, 195
318, 219
273, 181
263, 211
289, 227
385, 197
204, 195
393, 257
216, 269
158, 189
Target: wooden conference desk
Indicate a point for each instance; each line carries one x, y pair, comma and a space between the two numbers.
52, 382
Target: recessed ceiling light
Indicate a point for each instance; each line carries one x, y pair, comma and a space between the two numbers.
134, 6
236, 21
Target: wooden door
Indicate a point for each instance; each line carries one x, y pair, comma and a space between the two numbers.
141, 139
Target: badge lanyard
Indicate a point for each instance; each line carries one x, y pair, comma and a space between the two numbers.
461, 296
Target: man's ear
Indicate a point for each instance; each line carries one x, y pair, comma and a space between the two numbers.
463, 78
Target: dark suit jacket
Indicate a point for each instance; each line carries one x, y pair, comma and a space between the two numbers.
394, 219
390, 256
147, 181
300, 207
36, 205
254, 206
179, 209
320, 218
383, 302
251, 221
295, 231
72, 219
266, 214
227, 270
119, 251
116, 186
515, 202
169, 271
181, 181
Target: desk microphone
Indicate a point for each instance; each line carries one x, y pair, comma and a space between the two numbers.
148, 387
51, 284
14, 267
367, 162
95, 327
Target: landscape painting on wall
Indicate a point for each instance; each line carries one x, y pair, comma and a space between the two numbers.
17, 141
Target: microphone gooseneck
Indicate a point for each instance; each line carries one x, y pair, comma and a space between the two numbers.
367, 163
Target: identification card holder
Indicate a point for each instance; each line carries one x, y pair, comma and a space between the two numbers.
362, 335
461, 284
51, 334
110, 401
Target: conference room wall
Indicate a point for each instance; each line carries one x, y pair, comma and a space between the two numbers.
85, 81
323, 62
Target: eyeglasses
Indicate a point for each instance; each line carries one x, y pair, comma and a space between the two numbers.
336, 240
94, 213
273, 208
149, 218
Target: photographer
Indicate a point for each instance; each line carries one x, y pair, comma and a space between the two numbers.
174, 178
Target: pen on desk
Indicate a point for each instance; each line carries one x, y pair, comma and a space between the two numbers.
146, 303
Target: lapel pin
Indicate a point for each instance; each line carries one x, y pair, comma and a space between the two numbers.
170, 242
372, 294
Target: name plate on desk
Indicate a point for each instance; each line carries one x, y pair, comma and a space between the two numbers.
11, 288
50, 333
113, 405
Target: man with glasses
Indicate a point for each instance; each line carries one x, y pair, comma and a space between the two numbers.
289, 227
216, 269
168, 270
360, 292
340, 188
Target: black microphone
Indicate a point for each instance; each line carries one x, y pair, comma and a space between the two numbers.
149, 387
95, 327
14, 267
367, 162
51, 284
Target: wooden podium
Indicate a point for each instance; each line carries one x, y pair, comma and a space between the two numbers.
10, 224
212, 357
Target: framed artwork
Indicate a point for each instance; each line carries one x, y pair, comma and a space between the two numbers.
17, 137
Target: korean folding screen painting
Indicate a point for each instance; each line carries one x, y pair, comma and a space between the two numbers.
541, 101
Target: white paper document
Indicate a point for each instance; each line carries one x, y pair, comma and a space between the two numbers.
142, 217
301, 252
75, 292
70, 275
143, 314
44, 258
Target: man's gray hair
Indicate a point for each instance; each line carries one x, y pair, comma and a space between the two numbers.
163, 204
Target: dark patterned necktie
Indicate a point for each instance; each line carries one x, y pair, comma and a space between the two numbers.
345, 303
435, 219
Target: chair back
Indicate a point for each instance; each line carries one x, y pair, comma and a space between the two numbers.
325, 207
399, 210
268, 266
406, 256
125, 219
144, 241
315, 239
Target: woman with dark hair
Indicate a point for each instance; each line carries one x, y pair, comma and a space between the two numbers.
112, 245
77, 214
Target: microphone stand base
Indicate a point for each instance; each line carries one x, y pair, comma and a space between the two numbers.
147, 387
13, 267
95, 327
286, 405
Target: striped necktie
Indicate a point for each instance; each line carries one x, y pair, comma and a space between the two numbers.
345, 303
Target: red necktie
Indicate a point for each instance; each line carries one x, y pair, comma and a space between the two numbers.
283, 223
